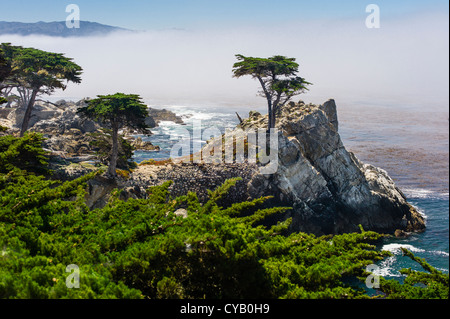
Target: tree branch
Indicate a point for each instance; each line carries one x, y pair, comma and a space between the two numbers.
263, 85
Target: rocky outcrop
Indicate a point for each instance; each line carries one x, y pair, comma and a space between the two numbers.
141, 145
330, 190
194, 177
156, 116
67, 133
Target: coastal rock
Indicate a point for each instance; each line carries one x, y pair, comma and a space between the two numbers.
70, 169
99, 190
195, 177
330, 190
181, 212
141, 145
66, 133
157, 115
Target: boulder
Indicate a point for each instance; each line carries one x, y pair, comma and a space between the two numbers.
141, 145
157, 115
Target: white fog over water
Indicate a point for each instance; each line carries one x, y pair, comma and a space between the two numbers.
403, 64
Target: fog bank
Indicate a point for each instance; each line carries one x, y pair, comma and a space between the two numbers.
405, 62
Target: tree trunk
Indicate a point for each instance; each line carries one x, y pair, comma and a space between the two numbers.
270, 113
271, 125
27, 115
273, 118
114, 152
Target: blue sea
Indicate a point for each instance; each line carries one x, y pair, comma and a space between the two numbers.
410, 144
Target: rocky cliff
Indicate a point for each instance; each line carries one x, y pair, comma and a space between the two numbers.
330, 190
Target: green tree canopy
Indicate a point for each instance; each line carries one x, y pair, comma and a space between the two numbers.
34, 72
4, 67
278, 78
117, 111
4, 72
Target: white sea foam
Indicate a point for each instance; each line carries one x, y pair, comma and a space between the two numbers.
440, 253
396, 248
202, 116
385, 268
423, 193
165, 124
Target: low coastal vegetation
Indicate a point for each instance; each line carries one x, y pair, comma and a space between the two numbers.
163, 247
153, 162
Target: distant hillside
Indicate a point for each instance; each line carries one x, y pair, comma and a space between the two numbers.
57, 29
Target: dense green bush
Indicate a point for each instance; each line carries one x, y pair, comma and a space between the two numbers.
24, 153
140, 248
145, 248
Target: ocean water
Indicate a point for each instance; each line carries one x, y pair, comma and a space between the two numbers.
410, 144
167, 134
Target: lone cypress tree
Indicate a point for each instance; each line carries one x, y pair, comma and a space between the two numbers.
278, 78
117, 111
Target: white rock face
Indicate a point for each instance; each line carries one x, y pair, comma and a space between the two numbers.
330, 190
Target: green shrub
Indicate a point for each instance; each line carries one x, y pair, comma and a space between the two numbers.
141, 249
24, 153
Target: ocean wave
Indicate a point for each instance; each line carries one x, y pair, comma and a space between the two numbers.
194, 113
199, 116
396, 249
440, 253
166, 124
386, 269
424, 193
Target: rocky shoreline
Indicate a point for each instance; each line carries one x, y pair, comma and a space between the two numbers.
68, 135
329, 189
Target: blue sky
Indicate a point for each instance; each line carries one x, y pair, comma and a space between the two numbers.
158, 14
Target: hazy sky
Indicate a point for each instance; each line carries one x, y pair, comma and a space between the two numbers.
144, 14
187, 52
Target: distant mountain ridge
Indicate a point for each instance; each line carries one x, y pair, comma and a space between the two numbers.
57, 29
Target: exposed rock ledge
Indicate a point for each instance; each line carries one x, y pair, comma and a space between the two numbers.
67, 133
330, 190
